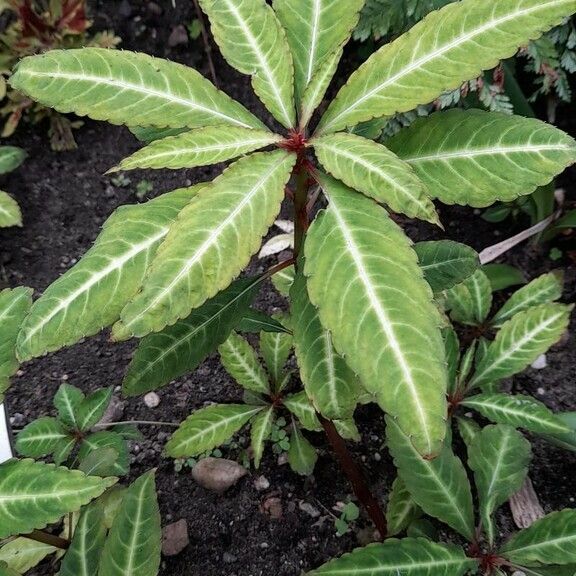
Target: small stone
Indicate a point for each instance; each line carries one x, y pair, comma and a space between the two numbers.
175, 538
154, 9
367, 536
309, 509
540, 363
377, 457
17, 420
228, 558
273, 507
178, 37
152, 400
540, 391
261, 483
282, 459
218, 474
113, 413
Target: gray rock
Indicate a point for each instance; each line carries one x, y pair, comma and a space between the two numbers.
175, 538
218, 474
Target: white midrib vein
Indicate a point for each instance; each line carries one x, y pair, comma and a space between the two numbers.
440, 52
123, 85
208, 243
5, 313
313, 40
116, 264
137, 521
383, 319
331, 380
496, 472
477, 152
250, 371
263, 63
396, 569
553, 542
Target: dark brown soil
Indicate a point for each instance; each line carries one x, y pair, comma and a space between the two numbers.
65, 199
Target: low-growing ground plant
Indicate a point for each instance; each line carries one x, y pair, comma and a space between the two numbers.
10, 158
366, 310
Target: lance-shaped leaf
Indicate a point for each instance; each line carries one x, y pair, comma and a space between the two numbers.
401, 509
133, 544
302, 455
468, 430
499, 457
470, 301
315, 30
163, 356
200, 147
503, 276
544, 289
92, 294
260, 430
107, 439
33, 494
22, 554
67, 400
330, 384
10, 158
14, 305
408, 557
446, 263
92, 408
452, 355
275, 348
283, 280
10, 213
241, 362
83, 556
439, 486
253, 41
210, 243
475, 158
373, 170
551, 540
364, 278
521, 340
255, 321
301, 406
568, 570
441, 52
150, 133
209, 427
518, 411
41, 437
126, 87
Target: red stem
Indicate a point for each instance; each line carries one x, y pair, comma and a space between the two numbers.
49, 539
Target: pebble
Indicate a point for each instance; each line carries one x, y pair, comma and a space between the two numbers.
151, 399
228, 558
273, 507
309, 509
261, 483
540, 391
175, 538
540, 363
218, 474
17, 420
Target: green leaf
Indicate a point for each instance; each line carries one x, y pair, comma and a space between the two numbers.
107, 439
25, 505
151, 133
301, 406
550, 540
348, 429
261, 428
372, 169
242, 363
67, 400
283, 280
567, 441
92, 294
499, 457
100, 462
521, 340
302, 455
452, 349
10, 213
408, 557
518, 411
253, 41
63, 450
275, 348
255, 321
365, 280
202, 254
446, 263
41, 437
126, 87
315, 30
330, 384
401, 510
475, 158
133, 544
10, 158
470, 301
441, 52
92, 408
208, 428
14, 305
568, 570
544, 289
83, 556
439, 486
468, 430
163, 356
503, 276
22, 554
200, 147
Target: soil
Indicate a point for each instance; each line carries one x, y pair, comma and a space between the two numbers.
65, 198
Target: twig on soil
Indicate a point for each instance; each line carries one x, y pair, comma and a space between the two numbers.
206, 41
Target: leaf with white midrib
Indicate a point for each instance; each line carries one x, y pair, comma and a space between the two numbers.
22, 554
92, 293
386, 330
126, 87
475, 157
10, 213
401, 509
10, 158
405, 557
33, 494
252, 40
202, 254
40, 437
438, 54
260, 430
